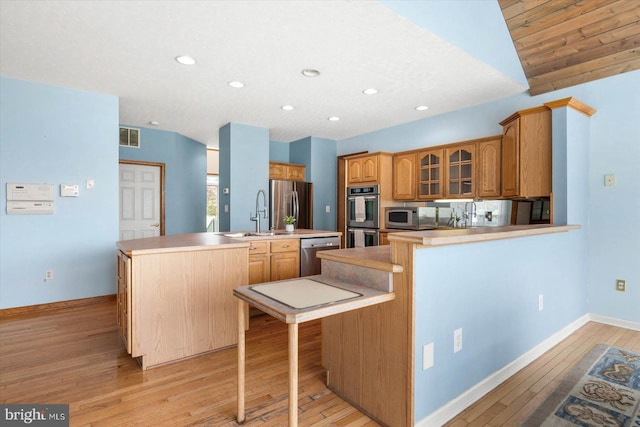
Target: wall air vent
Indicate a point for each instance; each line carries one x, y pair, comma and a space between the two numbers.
130, 137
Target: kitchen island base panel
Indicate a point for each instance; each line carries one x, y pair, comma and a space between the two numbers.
172, 293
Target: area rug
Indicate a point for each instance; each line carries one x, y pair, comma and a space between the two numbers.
602, 390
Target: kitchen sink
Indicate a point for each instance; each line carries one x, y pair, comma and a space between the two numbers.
261, 234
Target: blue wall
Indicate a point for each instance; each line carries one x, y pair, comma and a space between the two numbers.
185, 177
490, 290
244, 169
58, 136
319, 156
278, 151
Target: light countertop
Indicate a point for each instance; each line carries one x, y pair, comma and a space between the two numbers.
207, 241
457, 236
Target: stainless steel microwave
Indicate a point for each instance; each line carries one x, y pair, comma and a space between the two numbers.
410, 218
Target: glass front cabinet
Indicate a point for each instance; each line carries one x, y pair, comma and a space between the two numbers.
430, 174
460, 168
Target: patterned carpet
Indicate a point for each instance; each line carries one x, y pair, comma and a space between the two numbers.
603, 390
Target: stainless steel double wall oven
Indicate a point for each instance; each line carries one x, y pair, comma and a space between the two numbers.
363, 216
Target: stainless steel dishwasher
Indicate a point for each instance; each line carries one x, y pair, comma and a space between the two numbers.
309, 263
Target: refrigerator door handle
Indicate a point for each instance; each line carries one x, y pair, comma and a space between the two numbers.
296, 206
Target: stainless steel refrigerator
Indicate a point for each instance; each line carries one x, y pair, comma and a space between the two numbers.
290, 198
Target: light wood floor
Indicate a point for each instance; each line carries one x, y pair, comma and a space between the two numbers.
74, 356
512, 401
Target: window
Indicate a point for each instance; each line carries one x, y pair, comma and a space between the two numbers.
212, 202
130, 137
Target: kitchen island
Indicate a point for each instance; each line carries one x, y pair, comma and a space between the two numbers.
175, 293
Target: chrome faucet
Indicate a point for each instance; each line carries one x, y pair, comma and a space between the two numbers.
258, 211
468, 216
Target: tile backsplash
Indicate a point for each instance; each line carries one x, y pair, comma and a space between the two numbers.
488, 212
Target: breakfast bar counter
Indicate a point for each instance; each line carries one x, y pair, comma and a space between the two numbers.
295, 301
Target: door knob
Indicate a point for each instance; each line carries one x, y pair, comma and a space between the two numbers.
157, 224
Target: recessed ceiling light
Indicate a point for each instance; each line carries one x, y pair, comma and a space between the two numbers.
287, 107
185, 60
370, 91
310, 72
422, 108
334, 118
154, 123
236, 84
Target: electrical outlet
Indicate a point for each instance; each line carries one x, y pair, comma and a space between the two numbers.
48, 275
540, 302
457, 340
621, 285
427, 356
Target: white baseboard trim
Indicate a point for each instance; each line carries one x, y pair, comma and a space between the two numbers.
469, 397
615, 322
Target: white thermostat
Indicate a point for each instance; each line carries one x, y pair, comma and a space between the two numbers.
69, 190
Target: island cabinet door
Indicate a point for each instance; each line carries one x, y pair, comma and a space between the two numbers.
285, 265
285, 259
259, 265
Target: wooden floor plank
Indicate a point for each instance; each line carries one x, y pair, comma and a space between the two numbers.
74, 356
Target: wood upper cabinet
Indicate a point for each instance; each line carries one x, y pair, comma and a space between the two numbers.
460, 170
488, 168
429, 165
404, 176
362, 169
526, 154
296, 172
287, 171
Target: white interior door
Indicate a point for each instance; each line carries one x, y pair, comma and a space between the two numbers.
139, 201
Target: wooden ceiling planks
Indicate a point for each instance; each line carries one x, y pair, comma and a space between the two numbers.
563, 43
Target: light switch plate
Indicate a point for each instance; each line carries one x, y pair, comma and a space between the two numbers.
427, 356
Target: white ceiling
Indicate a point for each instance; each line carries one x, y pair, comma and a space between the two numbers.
127, 48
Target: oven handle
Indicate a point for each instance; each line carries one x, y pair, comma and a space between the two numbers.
365, 197
351, 230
